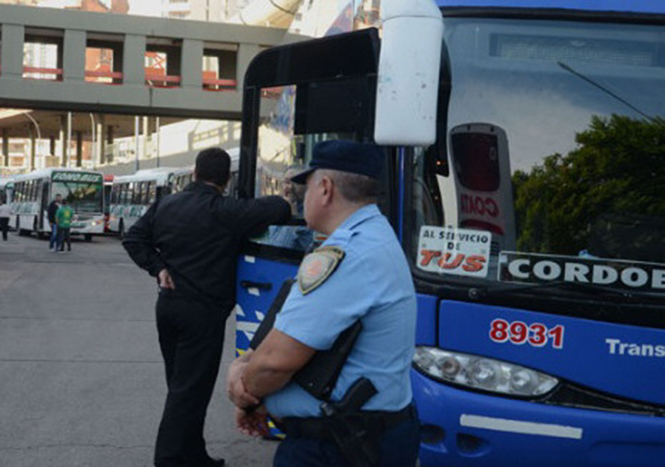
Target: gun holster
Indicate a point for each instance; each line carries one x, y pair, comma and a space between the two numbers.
342, 422
357, 441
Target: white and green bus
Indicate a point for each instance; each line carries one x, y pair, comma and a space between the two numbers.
33, 193
131, 195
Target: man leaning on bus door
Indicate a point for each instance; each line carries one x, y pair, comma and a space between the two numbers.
189, 241
359, 274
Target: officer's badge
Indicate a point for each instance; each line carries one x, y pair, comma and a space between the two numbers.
318, 266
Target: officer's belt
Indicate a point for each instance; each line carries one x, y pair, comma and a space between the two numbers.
317, 428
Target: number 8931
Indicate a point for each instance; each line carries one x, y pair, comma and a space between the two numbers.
518, 333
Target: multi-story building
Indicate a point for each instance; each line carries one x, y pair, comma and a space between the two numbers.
43, 56
200, 10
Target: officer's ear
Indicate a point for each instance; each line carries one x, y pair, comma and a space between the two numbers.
327, 189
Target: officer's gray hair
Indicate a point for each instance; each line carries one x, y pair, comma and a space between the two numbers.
354, 188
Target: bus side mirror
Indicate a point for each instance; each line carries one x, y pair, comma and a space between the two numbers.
408, 81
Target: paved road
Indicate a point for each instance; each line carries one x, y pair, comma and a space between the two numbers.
81, 378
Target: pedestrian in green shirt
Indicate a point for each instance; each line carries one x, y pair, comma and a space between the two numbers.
64, 220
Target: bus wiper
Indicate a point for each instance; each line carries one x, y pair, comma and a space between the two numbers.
574, 72
509, 288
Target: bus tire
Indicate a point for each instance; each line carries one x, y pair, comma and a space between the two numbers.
87, 237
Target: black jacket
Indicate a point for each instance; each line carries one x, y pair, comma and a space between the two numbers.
196, 235
52, 210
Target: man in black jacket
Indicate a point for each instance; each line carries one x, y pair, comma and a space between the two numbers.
50, 213
189, 242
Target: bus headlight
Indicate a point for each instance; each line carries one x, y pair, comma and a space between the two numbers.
482, 373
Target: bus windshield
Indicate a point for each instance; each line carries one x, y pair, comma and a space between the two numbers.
550, 165
83, 196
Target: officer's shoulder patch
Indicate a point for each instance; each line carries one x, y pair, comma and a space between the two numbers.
318, 266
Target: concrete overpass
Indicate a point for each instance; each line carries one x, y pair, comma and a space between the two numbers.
181, 91
178, 88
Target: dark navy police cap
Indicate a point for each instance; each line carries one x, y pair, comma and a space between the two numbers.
345, 156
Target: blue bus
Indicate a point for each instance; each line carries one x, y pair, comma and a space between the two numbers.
533, 217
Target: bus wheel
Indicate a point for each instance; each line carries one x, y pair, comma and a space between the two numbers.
87, 237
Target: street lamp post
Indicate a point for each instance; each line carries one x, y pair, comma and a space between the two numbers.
68, 150
136, 143
39, 133
93, 125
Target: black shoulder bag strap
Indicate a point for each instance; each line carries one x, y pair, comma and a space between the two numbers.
320, 374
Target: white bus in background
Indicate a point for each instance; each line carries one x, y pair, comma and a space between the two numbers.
131, 195
33, 192
182, 178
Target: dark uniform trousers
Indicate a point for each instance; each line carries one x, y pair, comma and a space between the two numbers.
398, 447
191, 337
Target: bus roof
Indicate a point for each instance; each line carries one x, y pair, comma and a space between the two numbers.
47, 173
160, 175
632, 6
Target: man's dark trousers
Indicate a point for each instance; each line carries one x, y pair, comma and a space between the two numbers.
53, 240
398, 448
191, 337
64, 236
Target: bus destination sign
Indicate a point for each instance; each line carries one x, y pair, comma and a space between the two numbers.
80, 177
537, 268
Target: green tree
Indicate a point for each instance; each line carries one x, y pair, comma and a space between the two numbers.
618, 167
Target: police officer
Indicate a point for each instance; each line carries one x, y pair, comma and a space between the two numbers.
359, 273
189, 241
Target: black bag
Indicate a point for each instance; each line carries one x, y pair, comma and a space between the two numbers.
320, 374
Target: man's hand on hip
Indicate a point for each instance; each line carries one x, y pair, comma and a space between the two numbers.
165, 280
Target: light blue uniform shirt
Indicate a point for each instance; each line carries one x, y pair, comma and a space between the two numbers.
372, 283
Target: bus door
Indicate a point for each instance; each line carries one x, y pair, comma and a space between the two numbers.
294, 97
44, 202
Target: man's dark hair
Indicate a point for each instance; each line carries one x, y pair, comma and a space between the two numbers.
213, 165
